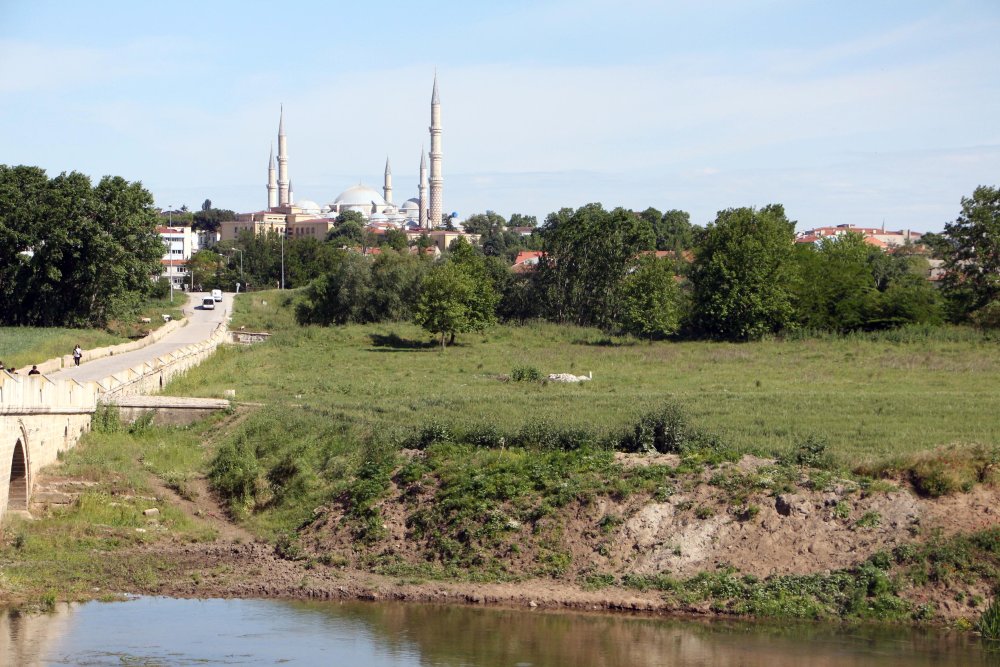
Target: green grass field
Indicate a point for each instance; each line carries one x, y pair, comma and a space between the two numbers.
869, 398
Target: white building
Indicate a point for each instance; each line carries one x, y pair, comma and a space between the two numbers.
179, 243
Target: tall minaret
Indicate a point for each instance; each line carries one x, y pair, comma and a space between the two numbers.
387, 188
272, 181
437, 181
282, 161
423, 190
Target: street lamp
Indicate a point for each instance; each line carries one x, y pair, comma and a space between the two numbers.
282, 259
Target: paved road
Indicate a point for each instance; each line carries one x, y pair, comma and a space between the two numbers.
201, 324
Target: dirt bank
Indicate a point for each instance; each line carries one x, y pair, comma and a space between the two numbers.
709, 524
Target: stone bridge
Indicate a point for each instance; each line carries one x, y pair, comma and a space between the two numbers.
41, 416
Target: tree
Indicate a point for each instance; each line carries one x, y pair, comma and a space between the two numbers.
650, 300
457, 295
675, 231
519, 220
210, 219
339, 296
836, 288
347, 233
481, 223
587, 253
395, 239
972, 253
743, 275
74, 254
205, 269
451, 302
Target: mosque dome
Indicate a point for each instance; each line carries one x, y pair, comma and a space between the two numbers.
412, 204
359, 195
308, 205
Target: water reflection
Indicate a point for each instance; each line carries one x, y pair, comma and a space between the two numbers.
163, 631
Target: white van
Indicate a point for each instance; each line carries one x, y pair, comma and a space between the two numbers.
217, 294
208, 303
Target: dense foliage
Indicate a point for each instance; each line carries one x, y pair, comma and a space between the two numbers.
73, 253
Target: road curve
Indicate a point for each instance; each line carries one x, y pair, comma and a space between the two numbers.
201, 324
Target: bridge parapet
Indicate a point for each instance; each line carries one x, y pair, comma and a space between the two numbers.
41, 417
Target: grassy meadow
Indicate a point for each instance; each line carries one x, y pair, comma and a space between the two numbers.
869, 397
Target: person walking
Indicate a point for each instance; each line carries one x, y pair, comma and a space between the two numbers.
34, 371
77, 354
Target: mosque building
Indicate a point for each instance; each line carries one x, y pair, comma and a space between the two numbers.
306, 218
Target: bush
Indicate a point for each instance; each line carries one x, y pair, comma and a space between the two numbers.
664, 430
811, 452
525, 374
234, 475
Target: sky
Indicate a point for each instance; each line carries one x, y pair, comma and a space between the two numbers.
859, 112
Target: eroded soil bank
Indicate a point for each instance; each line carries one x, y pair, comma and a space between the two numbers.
632, 554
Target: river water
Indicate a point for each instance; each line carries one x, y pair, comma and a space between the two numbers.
165, 631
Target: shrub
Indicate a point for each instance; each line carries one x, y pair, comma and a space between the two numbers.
811, 452
234, 475
664, 430
525, 374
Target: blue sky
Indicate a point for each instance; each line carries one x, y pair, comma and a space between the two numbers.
845, 112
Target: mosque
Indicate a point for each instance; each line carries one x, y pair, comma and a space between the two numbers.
307, 218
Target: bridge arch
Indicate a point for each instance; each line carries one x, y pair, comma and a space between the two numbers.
17, 494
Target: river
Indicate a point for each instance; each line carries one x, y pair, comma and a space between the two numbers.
165, 631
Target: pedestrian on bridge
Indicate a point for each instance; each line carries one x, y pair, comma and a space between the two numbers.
77, 354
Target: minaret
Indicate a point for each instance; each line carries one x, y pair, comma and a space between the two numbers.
423, 190
291, 194
272, 182
282, 161
437, 181
387, 188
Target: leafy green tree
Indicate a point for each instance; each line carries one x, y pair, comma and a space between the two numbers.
210, 219
587, 253
674, 231
451, 302
481, 223
395, 286
650, 299
743, 275
306, 259
74, 254
395, 239
347, 233
338, 297
836, 287
520, 220
205, 269
458, 295
972, 253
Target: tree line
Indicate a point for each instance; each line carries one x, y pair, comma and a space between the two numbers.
740, 277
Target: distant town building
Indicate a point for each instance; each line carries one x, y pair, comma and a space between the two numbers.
179, 243
876, 236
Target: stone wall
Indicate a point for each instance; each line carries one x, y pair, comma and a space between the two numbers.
47, 417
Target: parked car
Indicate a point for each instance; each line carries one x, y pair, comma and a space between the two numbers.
208, 303
217, 294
